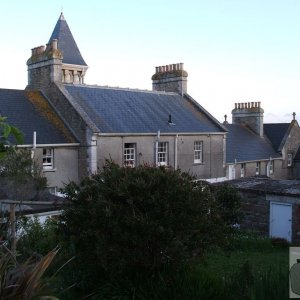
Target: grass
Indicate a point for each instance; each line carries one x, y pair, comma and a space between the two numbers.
253, 269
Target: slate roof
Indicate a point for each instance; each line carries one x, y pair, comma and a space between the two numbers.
265, 185
66, 43
244, 145
20, 112
275, 133
116, 110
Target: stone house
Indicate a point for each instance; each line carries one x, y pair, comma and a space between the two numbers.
254, 148
51, 143
163, 127
270, 207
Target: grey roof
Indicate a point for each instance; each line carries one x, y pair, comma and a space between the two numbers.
66, 43
265, 185
20, 112
244, 145
115, 110
275, 133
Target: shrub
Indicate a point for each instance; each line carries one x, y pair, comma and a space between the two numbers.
133, 222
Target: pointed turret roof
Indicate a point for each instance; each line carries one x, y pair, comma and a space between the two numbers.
66, 43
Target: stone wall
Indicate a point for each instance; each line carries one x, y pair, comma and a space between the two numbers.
255, 208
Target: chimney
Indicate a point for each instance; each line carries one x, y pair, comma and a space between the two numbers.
170, 78
249, 114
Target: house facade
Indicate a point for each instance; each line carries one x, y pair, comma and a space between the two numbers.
87, 124
257, 149
48, 138
162, 127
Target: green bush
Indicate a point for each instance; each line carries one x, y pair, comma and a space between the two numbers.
132, 222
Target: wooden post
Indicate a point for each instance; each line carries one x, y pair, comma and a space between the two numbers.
13, 228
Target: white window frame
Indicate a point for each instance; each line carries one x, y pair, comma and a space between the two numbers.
257, 168
198, 152
271, 167
243, 169
162, 153
129, 155
289, 159
48, 158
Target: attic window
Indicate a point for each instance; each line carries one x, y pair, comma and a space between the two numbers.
170, 122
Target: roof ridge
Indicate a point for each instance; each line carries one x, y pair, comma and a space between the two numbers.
123, 89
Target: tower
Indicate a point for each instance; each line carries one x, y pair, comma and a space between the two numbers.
60, 61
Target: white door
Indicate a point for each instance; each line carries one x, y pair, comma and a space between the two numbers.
281, 220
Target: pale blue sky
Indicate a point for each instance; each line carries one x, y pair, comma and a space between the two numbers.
233, 50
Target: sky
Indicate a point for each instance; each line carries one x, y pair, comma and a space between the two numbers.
233, 50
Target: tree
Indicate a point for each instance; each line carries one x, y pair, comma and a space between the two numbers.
131, 222
9, 136
21, 177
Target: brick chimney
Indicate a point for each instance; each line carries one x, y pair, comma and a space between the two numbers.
249, 114
170, 78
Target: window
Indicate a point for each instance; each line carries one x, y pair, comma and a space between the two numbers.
243, 170
129, 155
257, 169
162, 154
271, 167
198, 152
48, 158
290, 159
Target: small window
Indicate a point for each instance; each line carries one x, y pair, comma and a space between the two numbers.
243, 170
48, 158
289, 159
271, 167
198, 152
129, 155
162, 154
257, 169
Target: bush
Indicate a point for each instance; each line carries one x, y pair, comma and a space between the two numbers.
133, 222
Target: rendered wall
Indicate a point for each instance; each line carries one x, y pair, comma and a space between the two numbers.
212, 166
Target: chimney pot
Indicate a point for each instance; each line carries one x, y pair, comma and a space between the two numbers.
54, 44
156, 69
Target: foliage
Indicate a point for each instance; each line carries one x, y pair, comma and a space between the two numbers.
36, 238
124, 222
23, 281
20, 177
9, 135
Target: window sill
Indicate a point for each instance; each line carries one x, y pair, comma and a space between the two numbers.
49, 170
198, 163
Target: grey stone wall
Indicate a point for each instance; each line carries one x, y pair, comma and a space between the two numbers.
250, 114
291, 146
255, 208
